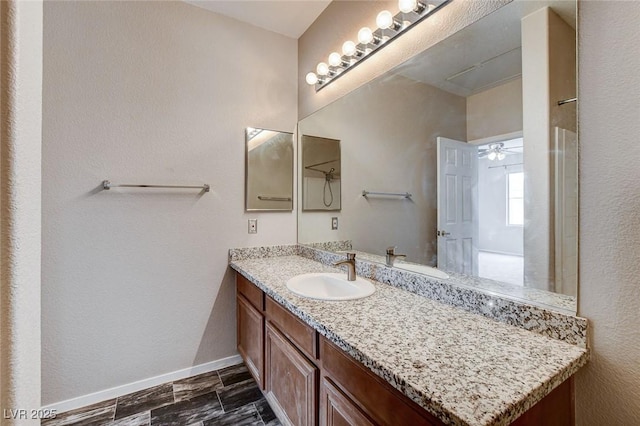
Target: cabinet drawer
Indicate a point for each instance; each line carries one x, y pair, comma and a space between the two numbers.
374, 396
297, 331
252, 293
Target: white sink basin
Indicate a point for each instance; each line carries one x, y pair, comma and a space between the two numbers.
330, 286
422, 269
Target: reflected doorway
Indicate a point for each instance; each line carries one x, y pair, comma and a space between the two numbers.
501, 211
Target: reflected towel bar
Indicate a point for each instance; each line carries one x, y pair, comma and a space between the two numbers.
567, 101
264, 198
108, 185
393, 194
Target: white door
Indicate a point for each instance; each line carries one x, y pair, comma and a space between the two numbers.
457, 231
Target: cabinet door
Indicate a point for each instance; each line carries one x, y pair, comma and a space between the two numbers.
336, 409
375, 397
291, 381
251, 338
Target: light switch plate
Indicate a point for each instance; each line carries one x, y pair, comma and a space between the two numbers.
253, 226
334, 223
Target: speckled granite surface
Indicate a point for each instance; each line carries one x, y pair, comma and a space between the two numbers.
260, 252
463, 368
545, 299
459, 290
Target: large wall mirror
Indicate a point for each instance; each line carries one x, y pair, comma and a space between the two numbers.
269, 170
472, 149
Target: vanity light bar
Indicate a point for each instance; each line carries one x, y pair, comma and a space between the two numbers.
369, 41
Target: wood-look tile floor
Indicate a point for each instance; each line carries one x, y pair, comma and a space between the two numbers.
228, 396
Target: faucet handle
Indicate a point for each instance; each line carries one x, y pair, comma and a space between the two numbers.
351, 256
391, 249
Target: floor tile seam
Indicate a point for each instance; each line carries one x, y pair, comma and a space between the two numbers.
173, 391
220, 401
255, 407
219, 378
115, 407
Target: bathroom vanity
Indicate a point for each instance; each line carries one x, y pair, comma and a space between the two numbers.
395, 357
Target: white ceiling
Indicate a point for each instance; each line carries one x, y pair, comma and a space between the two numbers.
287, 17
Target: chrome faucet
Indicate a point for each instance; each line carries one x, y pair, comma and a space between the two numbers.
351, 266
392, 256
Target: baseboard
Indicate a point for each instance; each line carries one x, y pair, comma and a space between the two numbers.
92, 398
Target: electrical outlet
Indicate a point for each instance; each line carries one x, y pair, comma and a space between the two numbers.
334, 223
253, 226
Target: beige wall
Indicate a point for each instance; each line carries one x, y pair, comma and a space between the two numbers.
135, 282
608, 388
497, 111
20, 197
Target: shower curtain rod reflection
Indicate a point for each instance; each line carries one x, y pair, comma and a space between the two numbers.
320, 164
505, 165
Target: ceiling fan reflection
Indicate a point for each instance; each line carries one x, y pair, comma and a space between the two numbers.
497, 151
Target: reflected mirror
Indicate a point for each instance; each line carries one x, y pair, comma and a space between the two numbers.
320, 173
269, 170
480, 131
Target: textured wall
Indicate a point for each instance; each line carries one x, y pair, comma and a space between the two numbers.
135, 282
20, 192
608, 388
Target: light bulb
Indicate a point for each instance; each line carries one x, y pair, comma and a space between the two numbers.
349, 48
492, 155
311, 78
322, 69
384, 20
407, 6
501, 156
365, 35
335, 59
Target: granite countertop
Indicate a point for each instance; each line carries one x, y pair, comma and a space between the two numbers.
463, 368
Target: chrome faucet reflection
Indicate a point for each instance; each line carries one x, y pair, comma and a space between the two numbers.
392, 256
351, 266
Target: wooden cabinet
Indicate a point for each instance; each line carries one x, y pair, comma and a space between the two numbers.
375, 397
301, 335
291, 379
250, 319
308, 380
336, 409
